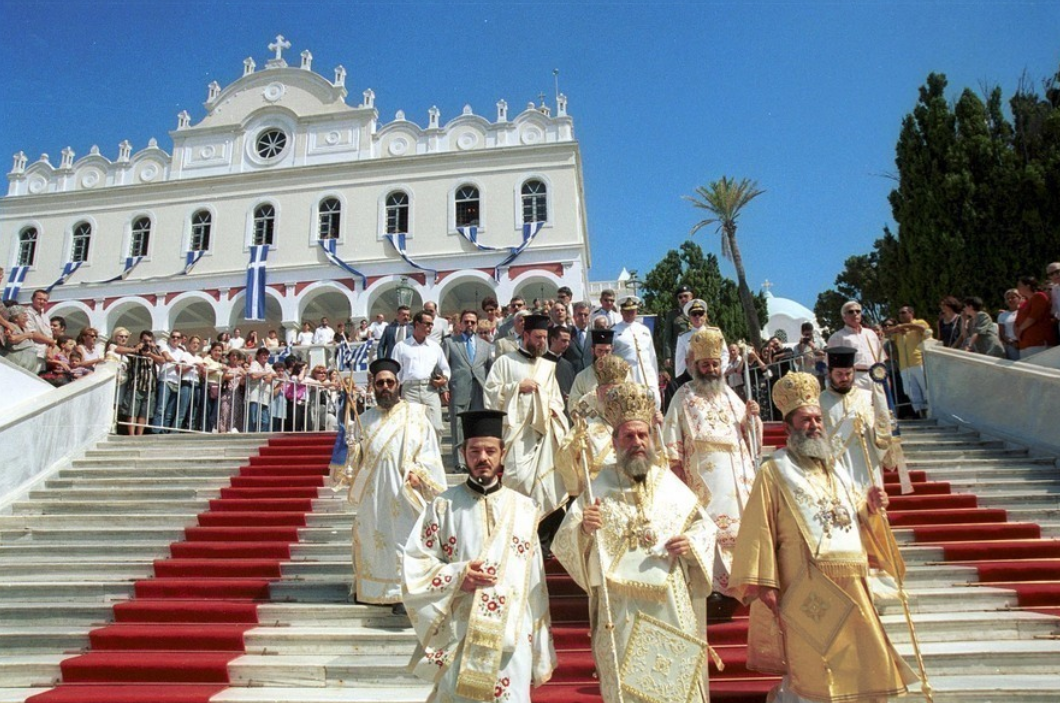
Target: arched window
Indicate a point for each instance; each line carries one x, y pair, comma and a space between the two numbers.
141, 236
201, 227
328, 218
27, 246
264, 224
467, 206
535, 201
81, 241
397, 213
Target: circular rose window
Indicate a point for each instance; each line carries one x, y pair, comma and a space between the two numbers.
270, 143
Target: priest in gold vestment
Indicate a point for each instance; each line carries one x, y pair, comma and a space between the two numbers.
712, 438
474, 583
801, 561
590, 437
644, 547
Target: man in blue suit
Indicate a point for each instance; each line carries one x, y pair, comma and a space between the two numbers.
469, 365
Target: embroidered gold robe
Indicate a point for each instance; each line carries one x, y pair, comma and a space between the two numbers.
495, 643
395, 444
833, 646
534, 426
641, 579
593, 441
707, 436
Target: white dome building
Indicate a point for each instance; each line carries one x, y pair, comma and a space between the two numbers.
787, 316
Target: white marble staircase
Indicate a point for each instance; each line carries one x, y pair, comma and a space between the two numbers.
76, 545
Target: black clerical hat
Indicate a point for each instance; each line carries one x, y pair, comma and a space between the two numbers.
384, 365
482, 423
841, 357
603, 336
535, 322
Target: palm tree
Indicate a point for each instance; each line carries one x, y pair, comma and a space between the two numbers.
724, 200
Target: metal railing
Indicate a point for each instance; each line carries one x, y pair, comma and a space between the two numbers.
193, 397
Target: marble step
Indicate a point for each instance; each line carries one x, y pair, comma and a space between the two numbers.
986, 688
1012, 658
929, 464
87, 551
1018, 500
110, 535
949, 439
974, 474
190, 471
119, 506
951, 599
125, 453
957, 627
989, 487
962, 452
338, 520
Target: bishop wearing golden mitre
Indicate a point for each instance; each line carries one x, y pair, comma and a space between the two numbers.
639, 543
801, 561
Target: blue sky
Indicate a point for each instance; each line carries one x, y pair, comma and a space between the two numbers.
804, 97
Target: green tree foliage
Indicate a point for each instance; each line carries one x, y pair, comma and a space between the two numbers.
701, 272
978, 196
861, 279
723, 200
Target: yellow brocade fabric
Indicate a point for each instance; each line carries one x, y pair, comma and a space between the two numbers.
833, 646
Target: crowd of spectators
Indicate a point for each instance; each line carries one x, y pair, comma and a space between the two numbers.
1026, 325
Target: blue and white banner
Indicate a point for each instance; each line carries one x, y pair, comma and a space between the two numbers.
530, 230
398, 242
280, 355
190, 259
471, 235
255, 293
15, 279
130, 263
350, 357
329, 246
69, 268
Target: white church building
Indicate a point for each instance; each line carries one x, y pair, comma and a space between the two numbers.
354, 210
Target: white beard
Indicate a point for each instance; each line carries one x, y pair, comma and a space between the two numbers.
816, 448
637, 466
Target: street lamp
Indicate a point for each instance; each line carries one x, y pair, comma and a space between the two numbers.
405, 292
633, 283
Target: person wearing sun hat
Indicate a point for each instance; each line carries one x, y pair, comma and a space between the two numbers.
801, 562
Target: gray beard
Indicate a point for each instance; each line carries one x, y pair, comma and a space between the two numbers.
636, 467
704, 383
386, 402
817, 448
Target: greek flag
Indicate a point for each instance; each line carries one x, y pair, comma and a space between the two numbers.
398, 242
471, 235
280, 355
353, 358
15, 279
255, 303
328, 246
530, 230
69, 268
130, 263
190, 259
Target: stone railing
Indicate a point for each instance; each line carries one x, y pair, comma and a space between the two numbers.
1010, 400
43, 433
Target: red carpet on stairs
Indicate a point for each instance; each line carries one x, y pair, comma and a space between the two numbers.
173, 642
